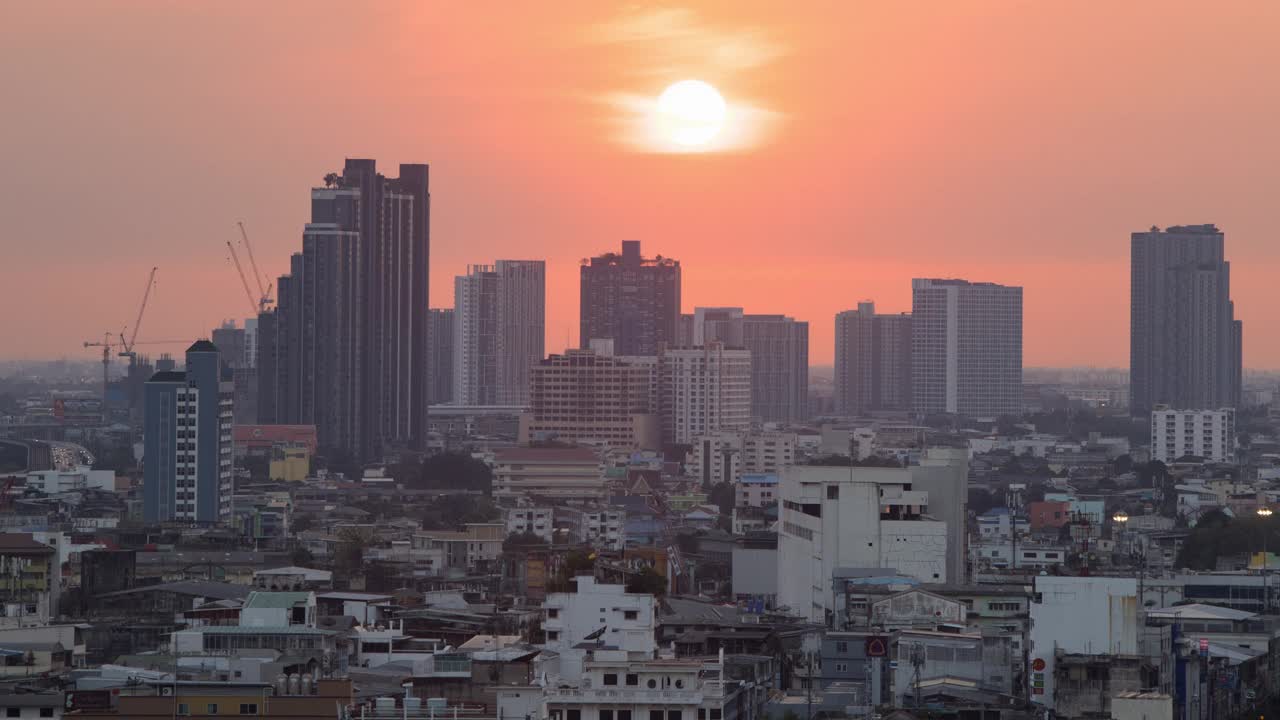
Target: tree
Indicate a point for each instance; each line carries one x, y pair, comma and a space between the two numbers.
519, 542
455, 471
348, 557
722, 496
980, 501
301, 557
649, 582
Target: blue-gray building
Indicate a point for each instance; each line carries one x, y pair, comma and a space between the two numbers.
187, 453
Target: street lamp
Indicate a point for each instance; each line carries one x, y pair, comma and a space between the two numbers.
1264, 512
1121, 518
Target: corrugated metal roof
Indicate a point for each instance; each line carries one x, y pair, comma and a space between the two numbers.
260, 599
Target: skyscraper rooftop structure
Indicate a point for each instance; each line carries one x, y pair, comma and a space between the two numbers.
630, 299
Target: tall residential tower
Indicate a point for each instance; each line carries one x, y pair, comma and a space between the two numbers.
630, 299
1184, 340
873, 361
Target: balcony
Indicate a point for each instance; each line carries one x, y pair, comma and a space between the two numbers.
627, 696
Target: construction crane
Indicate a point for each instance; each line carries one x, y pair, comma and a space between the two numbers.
127, 345
253, 304
264, 294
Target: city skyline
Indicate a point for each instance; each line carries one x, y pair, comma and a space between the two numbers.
931, 183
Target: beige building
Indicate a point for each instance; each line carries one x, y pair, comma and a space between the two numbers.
567, 474
704, 390
590, 397
727, 456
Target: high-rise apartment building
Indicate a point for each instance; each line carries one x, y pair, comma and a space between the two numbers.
591, 397
346, 347
630, 299
1184, 343
187, 462
727, 456
1208, 434
233, 345
779, 348
499, 330
966, 348
703, 390
440, 365
873, 361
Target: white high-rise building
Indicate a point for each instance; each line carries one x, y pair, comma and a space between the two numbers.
1209, 434
499, 329
966, 348
842, 517
704, 390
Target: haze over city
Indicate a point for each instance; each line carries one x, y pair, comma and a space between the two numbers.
1018, 144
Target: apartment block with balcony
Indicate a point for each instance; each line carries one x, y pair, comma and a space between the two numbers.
1208, 434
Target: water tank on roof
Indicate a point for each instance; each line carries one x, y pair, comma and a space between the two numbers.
282, 684
295, 684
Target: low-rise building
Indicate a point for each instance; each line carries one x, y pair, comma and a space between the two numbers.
556, 474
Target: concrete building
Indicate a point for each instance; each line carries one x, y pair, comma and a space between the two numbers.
539, 521
727, 456
861, 517
628, 619
630, 299
563, 474
873, 361
779, 348
1184, 343
346, 347
943, 473
593, 398
756, 491
499, 329
703, 390
187, 456
440, 329
966, 348
1208, 434
1075, 618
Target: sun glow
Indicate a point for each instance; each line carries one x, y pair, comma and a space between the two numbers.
690, 113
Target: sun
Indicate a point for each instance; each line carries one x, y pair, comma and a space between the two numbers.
690, 113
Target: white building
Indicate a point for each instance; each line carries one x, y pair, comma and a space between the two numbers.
1079, 615
756, 491
602, 527
834, 517
51, 482
1209, 434
538, 521
499, 325
628, 621
726, 456
704, 390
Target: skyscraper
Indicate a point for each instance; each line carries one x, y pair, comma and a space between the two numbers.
703, 390
440, 334
347, 343
630, 299
187, 472
499, 330
1185, 343
779, 348
873, 361
966, 348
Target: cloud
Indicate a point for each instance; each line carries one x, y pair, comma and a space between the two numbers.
673, 36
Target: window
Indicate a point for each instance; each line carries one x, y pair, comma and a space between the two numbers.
46, 712
833, 492
715, 713
624, 715
842, 647
553, 635
702, 714
573, 714
553, 613
673, 715
610, 679
183, 709
17, 712
632, 680
211, 709
842, 667
631, 614
655, 714
606, 715
248, 708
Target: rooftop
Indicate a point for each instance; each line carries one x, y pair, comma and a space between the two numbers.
22, 544
1200, 611
196, 588
259, 599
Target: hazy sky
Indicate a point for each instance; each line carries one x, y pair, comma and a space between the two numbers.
1012, 142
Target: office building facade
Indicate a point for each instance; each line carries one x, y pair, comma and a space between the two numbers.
966, 348
591, 397
499, 330
630, 299
347, 345
187, 456
873, 361
1185, 343
704, 390
440, 366
1208, 434
779, 348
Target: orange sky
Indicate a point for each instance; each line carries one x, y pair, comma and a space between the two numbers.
1011, 142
